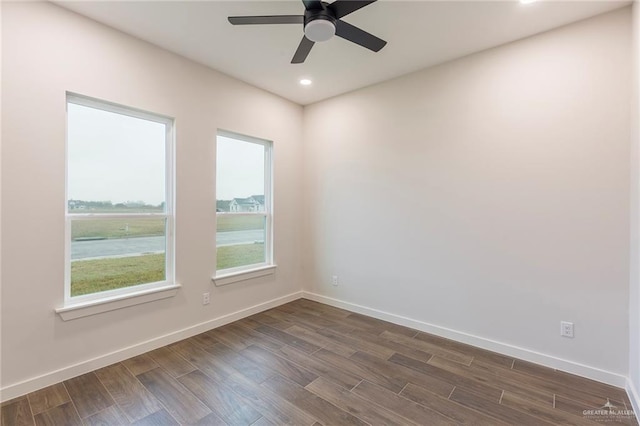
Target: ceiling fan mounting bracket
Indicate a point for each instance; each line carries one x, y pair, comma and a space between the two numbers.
312, 15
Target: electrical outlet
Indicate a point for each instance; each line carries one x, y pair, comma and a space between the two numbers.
206, 298
566, 329
334, 280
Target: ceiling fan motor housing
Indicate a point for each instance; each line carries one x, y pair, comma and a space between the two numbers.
319, 25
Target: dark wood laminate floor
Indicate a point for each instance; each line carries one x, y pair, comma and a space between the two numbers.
305, 363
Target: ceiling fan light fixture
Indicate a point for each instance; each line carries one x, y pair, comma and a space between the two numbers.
319, 30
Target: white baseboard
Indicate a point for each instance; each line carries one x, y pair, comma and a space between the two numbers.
634, 397
39, 382
481, 342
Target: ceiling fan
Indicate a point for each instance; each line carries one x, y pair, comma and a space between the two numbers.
321, 21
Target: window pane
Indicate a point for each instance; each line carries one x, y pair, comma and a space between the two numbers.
116, 163
240, 240
107, 254
240, 185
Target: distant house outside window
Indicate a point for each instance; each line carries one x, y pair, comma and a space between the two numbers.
243, 203
119, 208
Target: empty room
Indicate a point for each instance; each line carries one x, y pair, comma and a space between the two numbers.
294, 212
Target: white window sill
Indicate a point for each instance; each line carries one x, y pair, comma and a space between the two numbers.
226, 278
92, 307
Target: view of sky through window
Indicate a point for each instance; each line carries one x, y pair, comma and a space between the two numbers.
240, 169
114, 157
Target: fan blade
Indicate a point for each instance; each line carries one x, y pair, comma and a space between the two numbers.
342, 8
358, 36
303, 51
312, 4
261, 20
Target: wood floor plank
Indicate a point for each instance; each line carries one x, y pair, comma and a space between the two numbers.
255, 371
319, 367
269, 404
343, 324
263, 421
132, 398
320, 308
443, 405
485, 373
220, 399
88, 394
179, 402
226, 336
286, 368
12, 400
307, 401
108, 417
420, 355
16, 413
381, 325
576, 408
204, 340
355, 405
320, 340
64, 414
293, 308
288, 339
401, 372
366, 371
533, 369
401, 405
221, 369
477, 353
47, 398
447, 376
269, 320
202, 360
171, 362
493, 409
550, 386
288, 320
358, 344
570, 380
272, 406
211, 420
140, 364
543, 412
314, 322
428, 347
253, 337
159, 418
248, 322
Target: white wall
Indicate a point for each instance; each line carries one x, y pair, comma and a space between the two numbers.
46, 51
488, 195
634, 293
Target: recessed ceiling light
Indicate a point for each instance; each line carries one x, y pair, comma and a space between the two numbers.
527, 1
305, 82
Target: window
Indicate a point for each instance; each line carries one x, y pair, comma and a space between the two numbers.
119, 210
243, 204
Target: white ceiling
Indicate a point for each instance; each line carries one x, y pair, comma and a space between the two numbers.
419, 34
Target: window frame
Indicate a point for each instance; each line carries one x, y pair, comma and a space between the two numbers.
268, 208
168, 215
